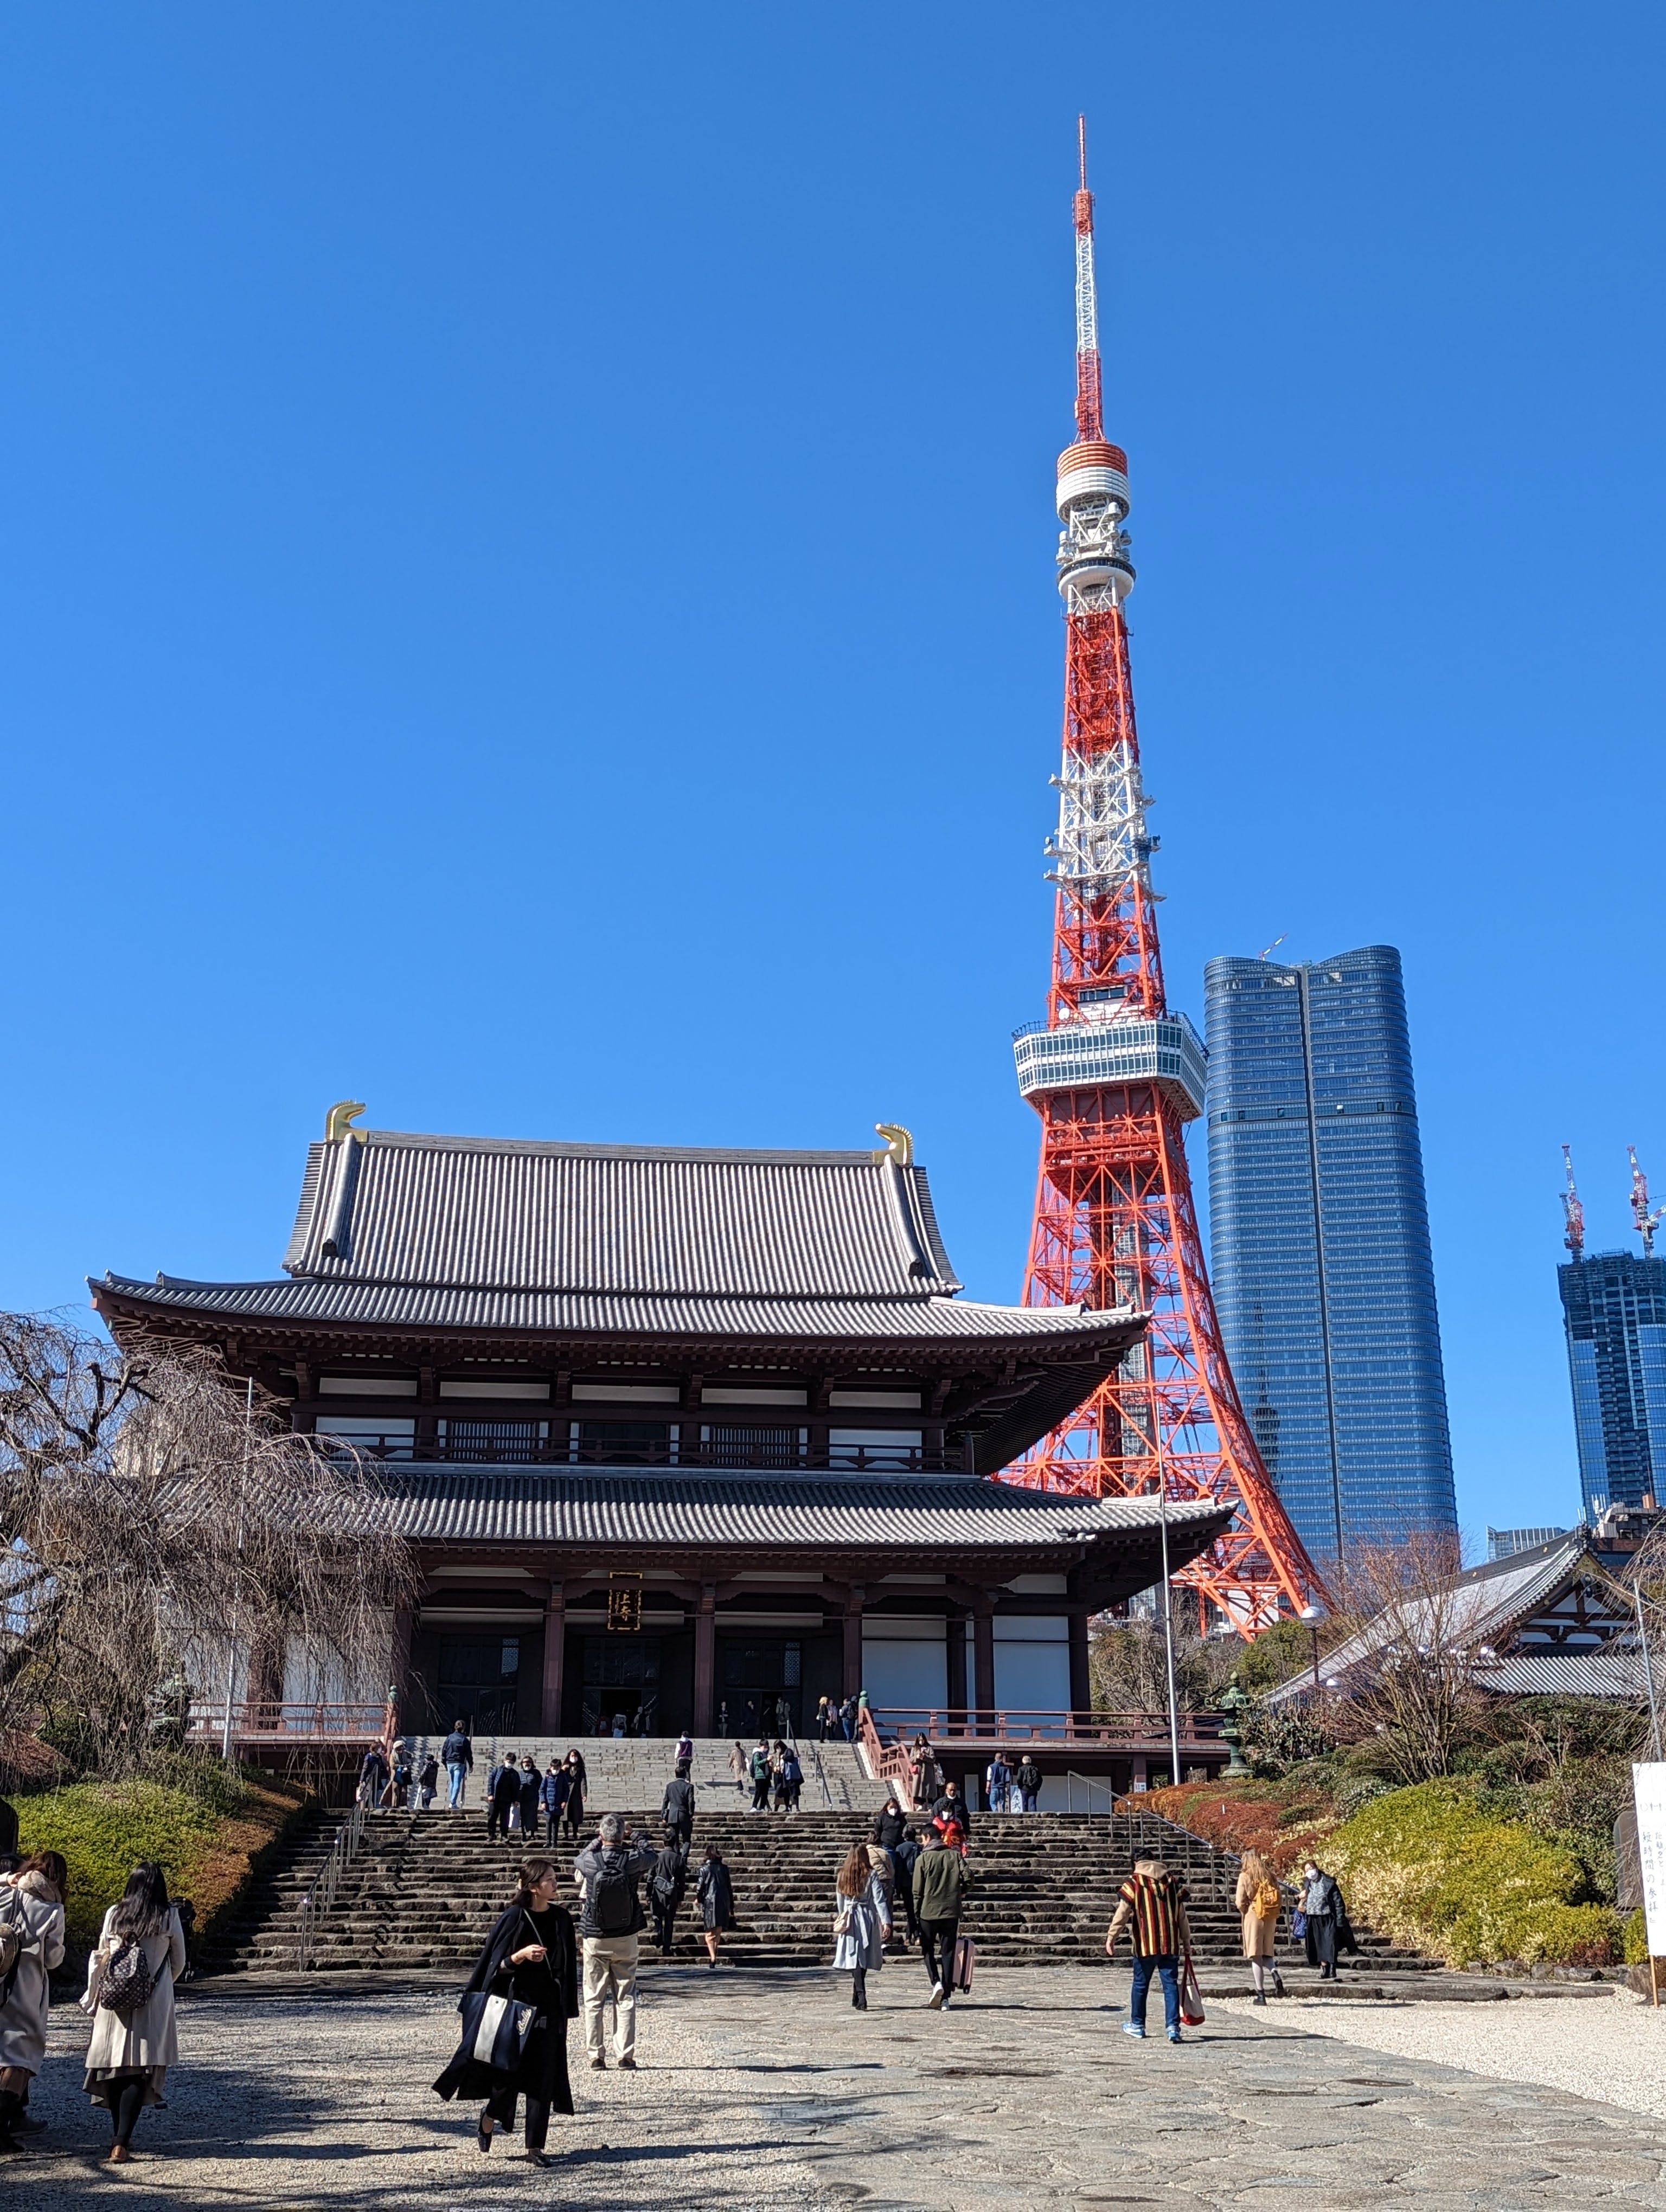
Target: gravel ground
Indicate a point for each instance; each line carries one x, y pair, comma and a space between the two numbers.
318, 2102
767, 2093
1612, 2050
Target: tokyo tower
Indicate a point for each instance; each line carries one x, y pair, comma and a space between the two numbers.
1114, 1074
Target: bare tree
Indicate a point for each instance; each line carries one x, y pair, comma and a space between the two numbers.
154, 1518
1407, 1696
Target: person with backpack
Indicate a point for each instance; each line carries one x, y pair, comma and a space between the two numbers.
861, 1922
758, 1768
140, 1954
1257, 1899
610, 1922
456, 1757
792, 1774
1151, 1905
31, 1945
715, 1893
904, 1857
428, 1781
1027, 1778
676, 1806
372, 1777
667, 1886
532, 1950
940, 1888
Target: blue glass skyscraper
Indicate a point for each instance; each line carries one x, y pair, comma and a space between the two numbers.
1614, 1307
1319, 1236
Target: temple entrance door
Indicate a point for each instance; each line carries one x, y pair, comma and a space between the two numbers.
757, 1677
621, 1678
479, 1681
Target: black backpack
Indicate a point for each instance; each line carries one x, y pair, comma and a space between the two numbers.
614, 1904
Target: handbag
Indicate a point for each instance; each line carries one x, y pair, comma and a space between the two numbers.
1298, 1923
496, 2023
1191, 1997
965, 1962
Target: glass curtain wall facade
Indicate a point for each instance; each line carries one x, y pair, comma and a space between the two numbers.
1614, 1305
1319, 1244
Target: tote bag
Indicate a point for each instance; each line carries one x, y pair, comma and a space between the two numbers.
495, 2026
1191, 1997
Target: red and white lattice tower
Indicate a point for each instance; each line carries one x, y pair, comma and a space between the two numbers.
1114, 1075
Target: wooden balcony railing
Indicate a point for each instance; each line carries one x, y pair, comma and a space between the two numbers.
260, 1722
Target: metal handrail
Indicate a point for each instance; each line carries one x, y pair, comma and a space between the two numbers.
798, 1750
322, 1894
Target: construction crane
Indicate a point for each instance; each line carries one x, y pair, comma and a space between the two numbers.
1645, 1223
1573, 1213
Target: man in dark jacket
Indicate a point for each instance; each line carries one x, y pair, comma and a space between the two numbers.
456, 1757
951, 1806
677, 1807
611, 1924
373, 1777
940, 1884
666, 1887
502, 1791
552, 1795
903, 1860
1028, 1782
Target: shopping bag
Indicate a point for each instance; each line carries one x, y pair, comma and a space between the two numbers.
965, 1961
495, 2026
1191, 1997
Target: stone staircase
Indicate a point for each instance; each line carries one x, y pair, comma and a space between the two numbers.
624, 1773
426, 1888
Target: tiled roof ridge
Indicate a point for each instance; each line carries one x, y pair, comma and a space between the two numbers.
560, 1148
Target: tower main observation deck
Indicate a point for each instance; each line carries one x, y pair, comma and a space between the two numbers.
1114, 1075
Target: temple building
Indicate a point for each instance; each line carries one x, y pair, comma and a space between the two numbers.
682, 1434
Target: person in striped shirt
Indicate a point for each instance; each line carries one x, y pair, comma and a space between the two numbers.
1151, 1906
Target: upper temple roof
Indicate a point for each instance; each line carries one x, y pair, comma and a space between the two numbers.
490, 1213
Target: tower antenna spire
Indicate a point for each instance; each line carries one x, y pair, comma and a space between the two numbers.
1089, 418
1114, 1075
1645, 1223
1573, 1213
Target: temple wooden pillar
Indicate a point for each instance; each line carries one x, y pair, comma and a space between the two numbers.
1081, 1684
554, 1655
853, 1640
705, 1660
957, 1659
984, 1662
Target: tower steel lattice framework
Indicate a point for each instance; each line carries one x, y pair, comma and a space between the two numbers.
1114, 1075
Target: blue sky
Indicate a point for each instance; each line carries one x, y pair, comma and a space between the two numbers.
525, 594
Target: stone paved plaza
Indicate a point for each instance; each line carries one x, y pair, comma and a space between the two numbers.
766, 2091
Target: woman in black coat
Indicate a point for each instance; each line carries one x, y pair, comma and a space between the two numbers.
533, 1952
716, 1895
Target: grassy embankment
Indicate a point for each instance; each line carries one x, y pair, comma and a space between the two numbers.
207, 1828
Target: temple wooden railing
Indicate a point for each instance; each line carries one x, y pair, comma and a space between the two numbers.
731, 1458
259, 1721
1021, 1724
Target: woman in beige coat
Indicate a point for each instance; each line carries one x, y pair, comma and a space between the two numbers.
31, 1903
132, 2050
1257, 1899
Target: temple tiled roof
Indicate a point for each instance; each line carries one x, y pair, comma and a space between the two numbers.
399, 1305
485, 1234
438, 1504
467, 1212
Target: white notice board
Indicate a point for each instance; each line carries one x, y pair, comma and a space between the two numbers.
1649, 1789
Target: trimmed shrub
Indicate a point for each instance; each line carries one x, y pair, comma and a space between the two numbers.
1636, 1938
1433, 1869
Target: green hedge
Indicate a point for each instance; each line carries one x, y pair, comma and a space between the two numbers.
1430, 1867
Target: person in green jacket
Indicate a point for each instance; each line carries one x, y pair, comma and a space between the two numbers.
940, 1884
